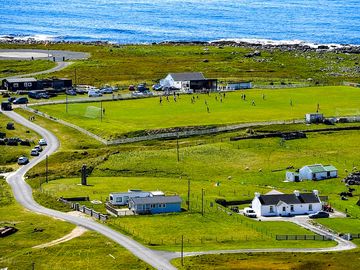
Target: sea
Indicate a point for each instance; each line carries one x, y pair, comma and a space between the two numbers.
140, 21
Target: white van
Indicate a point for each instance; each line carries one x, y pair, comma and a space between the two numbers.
249, 212
94, 93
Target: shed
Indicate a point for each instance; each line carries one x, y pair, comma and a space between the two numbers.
15, 84
311, 118
122, 198
293, 177
318, 172
155, 205
238, 85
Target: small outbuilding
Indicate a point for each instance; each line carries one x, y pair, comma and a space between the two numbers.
155, 205
16, 84
238, 85
293, 177
279, 204
318, 172
122, 198
313, 118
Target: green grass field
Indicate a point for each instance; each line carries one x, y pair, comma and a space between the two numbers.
89, 251
132, 117
10, 68
124, 65
275, 261
10, 154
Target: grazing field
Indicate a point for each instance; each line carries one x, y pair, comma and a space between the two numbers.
135, 117
10, 154
276, 261
89, 251
10, 68
131, 64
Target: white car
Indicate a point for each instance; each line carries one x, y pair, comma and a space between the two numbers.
249, 212
23, 160
94, 93
34, 152
38, 148
42, 142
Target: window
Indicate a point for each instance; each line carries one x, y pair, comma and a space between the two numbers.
118, 199
29, 84
284, 208
153, 205
291, 208
111, 198
271, 209
15, 85
310, 207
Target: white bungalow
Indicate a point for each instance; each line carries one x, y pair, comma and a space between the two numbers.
318, 172
314, 118
279, 204
188, 81
122, 198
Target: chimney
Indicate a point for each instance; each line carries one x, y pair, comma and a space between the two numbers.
83, 175
297, 193
257, 194
316, 192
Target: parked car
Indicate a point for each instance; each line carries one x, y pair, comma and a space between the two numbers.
157, 87
131, 87
38, 148
42, 142
249, 212
11, 99
94, 93
44, 95
21, 100
320, 214
34, 94
106, 90
70, 92
142, 87
23, 160
6, 106
148, 93
34, 152
137, 94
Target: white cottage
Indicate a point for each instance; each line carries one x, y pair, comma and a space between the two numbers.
318, 172
188, 81
279, 204
314, 118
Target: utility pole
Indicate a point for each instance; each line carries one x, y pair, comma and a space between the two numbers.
66, 102
177, 147
202, 202
182, 250
101, 111
47, 168
188, 202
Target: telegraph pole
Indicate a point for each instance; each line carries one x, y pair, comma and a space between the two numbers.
188, 202
101, 111
182, 250
47, 169
202, 202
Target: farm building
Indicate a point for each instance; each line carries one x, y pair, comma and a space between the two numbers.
155, 205
188, 81
29, 84
311, 118
122, 198
238, 85
293, 177
15, 84
318, 172
279, 204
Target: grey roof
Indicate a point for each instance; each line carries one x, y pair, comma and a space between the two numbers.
18, 80
157, 199
187, 76
289, 198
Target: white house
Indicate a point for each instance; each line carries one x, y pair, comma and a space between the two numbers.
188, 80
279, 204
318, 172
293, 177
313, 118
238, 85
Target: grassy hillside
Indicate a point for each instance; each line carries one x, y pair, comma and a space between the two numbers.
10, 68
123, 65
130, 117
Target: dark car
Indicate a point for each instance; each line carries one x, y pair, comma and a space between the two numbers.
21, 100
6, 106
70, 92
44, 95
11, 99
320, 214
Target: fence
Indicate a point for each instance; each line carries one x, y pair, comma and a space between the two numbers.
303, 237
85, 210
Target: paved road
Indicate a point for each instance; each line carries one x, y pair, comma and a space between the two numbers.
23, 194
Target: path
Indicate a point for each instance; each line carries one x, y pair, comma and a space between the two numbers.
78, 231
23, 194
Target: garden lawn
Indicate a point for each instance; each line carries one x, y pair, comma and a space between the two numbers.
131, 117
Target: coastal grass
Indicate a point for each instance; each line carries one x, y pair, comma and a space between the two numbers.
90, 250
130, 64
130, 118
325, 260
10, 154
10, 68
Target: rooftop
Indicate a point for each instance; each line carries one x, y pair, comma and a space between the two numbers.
317, 168
157, 199
187, 76
274, 199
18, 80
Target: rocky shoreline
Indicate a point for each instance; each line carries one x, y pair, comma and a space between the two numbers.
293, 46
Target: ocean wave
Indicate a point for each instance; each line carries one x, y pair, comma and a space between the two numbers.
295, 42
37, 37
